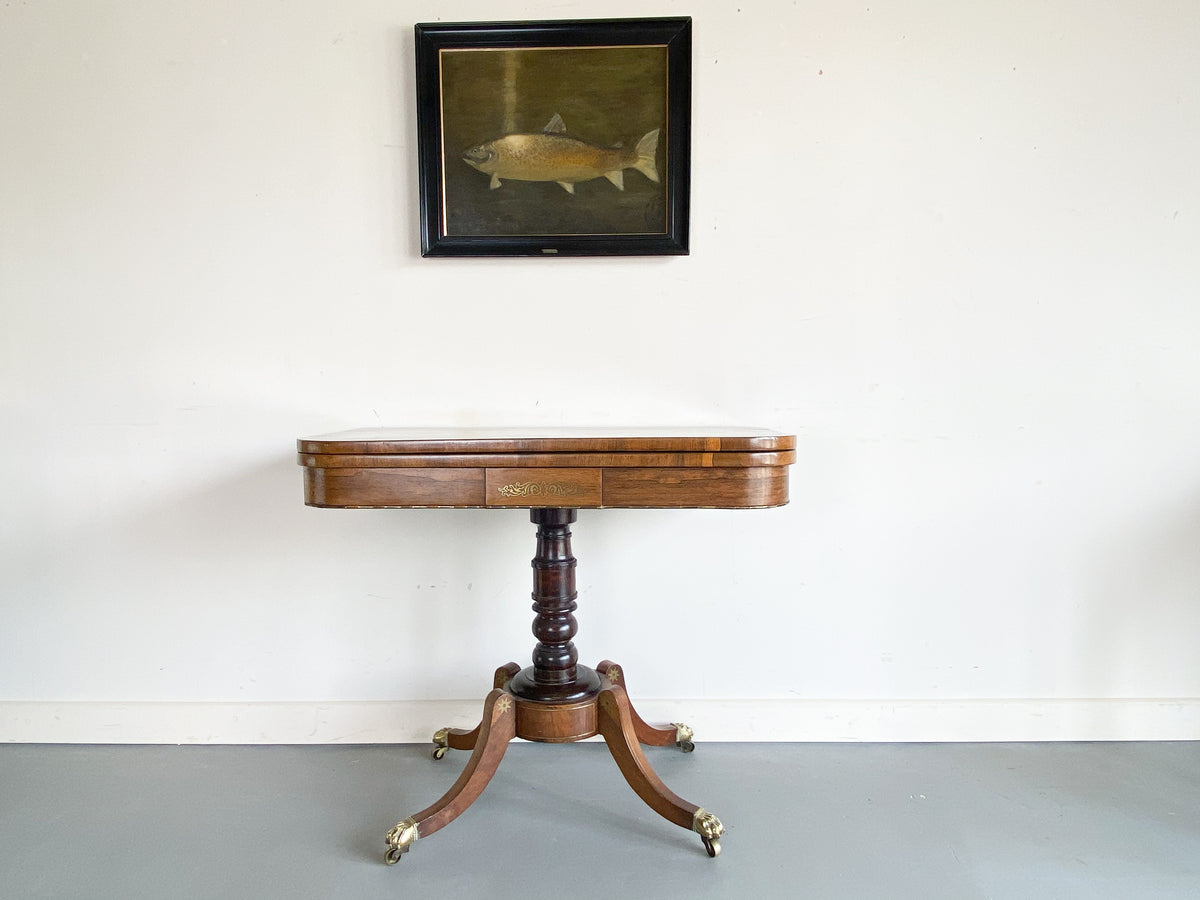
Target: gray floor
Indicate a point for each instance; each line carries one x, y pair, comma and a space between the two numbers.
846, 821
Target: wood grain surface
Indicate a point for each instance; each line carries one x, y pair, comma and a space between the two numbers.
547, 468
549, 440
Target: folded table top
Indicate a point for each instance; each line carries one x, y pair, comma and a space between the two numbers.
547, 467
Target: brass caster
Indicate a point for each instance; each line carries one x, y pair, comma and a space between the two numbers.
393, 856
441, 743
683, 738
710, 829
399, 840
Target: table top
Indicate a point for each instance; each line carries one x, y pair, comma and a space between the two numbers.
547, 467
519, 440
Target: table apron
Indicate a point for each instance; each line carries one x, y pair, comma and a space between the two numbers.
527, 487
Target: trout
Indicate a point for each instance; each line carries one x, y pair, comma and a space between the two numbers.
553, 156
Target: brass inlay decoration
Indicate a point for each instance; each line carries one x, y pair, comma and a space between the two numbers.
540, 489
504, 704
614, 674
399, 839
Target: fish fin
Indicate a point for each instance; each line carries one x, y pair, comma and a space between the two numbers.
495, 182
617, 178
647, 147
555, 125
568, 187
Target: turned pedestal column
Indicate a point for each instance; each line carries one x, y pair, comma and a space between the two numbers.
555, 675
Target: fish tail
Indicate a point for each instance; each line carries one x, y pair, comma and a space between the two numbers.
646, 150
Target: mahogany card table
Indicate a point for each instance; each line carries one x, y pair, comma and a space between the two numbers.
553, 473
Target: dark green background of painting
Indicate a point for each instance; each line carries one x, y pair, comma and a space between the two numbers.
604, 95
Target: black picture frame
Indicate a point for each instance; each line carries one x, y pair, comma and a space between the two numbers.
537, 138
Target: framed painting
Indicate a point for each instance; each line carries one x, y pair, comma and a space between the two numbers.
568, 138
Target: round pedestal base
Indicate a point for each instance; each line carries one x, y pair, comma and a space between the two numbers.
585, 685
557, 723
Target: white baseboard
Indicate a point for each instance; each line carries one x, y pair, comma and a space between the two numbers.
412, 721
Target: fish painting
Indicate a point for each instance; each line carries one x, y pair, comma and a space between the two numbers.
554, 156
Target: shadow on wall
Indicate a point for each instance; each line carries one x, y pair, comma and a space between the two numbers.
234, 590
1141, 619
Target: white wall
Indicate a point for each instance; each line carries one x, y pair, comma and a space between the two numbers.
952, 246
